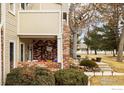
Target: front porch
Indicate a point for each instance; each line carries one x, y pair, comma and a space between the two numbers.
43, 50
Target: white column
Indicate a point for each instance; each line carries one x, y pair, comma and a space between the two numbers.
60, 50
30, 52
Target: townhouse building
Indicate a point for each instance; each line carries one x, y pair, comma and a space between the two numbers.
33, 32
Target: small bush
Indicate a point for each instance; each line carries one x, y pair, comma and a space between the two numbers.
70, 77
44, 77
30, 76
89, 64
14, 77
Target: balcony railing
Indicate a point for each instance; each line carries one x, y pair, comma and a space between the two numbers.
39, 23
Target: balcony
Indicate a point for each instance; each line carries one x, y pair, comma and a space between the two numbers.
39, 23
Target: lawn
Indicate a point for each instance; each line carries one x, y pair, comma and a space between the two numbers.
116, 66
107, 80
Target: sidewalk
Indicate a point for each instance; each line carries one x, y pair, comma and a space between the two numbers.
105, 73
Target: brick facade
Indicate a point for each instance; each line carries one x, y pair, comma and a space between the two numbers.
2, 52
66, 46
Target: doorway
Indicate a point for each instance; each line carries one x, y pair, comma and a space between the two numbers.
22, 49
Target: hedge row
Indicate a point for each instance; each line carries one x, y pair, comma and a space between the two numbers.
40, 76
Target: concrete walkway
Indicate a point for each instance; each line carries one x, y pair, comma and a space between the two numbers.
105, 70
105, 73
104, 66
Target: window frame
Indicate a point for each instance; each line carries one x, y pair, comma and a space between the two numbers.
14, 51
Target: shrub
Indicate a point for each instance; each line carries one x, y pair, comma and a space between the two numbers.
70, 77
30, 76
44, 77
14, 78
89, 65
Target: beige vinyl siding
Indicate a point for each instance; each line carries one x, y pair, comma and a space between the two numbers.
50, 6
35, 6
39, 23
10, 35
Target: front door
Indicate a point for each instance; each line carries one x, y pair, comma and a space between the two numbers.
11, 55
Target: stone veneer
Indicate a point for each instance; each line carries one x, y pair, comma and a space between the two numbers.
66, 46
2, 52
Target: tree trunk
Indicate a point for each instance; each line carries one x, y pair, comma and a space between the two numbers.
95, 52
113, 53
105, 52
74, 45
120, 48
87, 50
116, 51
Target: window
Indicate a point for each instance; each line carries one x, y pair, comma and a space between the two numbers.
12, 8
11, 55
64, 15
24, 6
22, 52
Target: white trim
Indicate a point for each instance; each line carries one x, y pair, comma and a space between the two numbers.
59, 41
13, 12
37, 34
14, 42
23, 51
42, 11
4, 45
30, 56
61, 36
40, 6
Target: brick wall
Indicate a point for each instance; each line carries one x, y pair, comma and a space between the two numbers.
2, 52
66, 46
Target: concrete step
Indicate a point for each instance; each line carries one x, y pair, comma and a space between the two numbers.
106, 69
104, 66
101, 63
